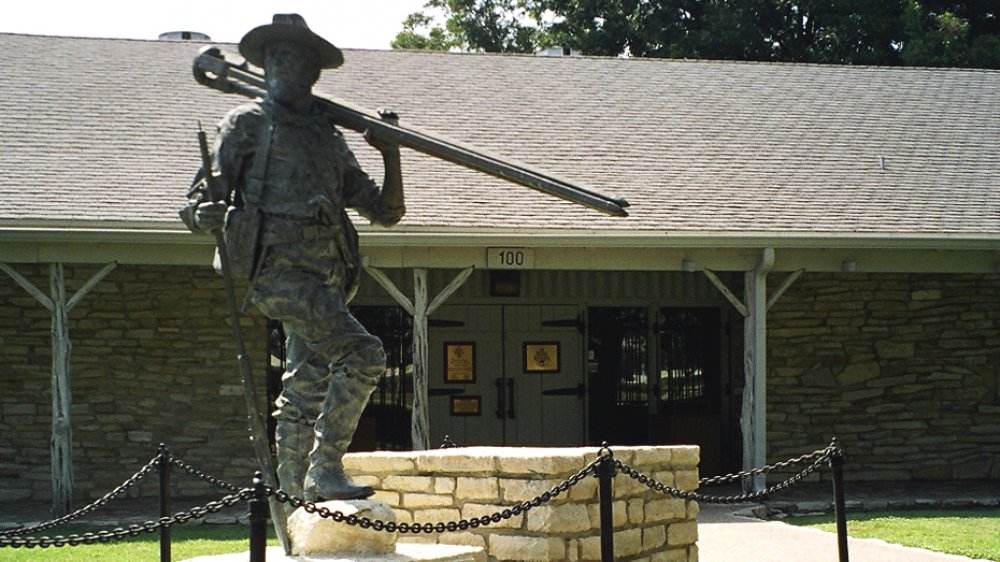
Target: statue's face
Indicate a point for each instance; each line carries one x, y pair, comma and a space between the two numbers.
290, 70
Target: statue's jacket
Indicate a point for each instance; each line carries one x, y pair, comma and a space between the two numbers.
302, 191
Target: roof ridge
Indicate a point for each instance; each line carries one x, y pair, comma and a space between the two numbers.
624, 59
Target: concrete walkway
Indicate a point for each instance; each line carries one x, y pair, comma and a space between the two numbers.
724, 536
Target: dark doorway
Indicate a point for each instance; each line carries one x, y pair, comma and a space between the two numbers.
678, 400
385, 424
688, 382
618, 375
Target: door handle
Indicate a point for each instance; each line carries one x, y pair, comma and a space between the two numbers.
500, 398
510, 399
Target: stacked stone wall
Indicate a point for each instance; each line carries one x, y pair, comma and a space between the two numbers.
152, 361
452, 484
904, 369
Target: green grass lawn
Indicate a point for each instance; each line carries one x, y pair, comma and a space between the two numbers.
974, 532
186, 542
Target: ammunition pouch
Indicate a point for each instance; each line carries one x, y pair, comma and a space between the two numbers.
242, 237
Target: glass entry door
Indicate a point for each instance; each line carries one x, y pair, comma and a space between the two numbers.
688, 385
677, 401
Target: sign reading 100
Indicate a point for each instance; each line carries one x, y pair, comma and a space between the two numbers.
510, 258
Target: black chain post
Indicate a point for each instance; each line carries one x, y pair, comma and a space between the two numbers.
839, 507
605, 474
163, 464
258, 520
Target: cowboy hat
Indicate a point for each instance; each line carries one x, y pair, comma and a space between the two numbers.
289, 27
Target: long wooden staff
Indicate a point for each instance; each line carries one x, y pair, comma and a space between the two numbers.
256, 418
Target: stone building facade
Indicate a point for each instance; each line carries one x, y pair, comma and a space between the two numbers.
152, 362
903, 368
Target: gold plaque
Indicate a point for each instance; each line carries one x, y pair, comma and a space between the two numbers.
541, 357
460, 362
466, 405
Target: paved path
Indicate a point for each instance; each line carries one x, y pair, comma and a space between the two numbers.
725, 537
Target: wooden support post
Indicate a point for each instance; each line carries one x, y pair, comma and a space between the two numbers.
754, 307
421, 309
420, 427
60, 446
754, 412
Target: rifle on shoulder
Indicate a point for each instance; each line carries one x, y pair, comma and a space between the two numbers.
211, 69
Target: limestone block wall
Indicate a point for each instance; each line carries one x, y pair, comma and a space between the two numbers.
451, 484
152, 361
903, 368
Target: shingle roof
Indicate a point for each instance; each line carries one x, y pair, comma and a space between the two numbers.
104, 130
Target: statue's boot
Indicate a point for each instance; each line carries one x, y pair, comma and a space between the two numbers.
294, 441
325, 480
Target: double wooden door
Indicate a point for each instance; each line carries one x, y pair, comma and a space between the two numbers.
507, 375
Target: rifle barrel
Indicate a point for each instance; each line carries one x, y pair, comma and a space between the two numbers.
212, 70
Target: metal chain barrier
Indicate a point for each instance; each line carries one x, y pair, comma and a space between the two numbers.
104, 500
15, 538
440, 526
763, 470
605, 460
131, 530
819, 458
203, 476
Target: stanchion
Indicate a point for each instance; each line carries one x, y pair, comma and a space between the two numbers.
605, 475
837, 463
163, 464
258, 520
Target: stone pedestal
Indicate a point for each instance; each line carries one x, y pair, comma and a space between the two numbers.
443, 485
448, 485
312, 535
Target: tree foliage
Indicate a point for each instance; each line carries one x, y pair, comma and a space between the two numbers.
964, 33
497, 26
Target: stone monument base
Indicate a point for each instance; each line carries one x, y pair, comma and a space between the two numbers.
312, 535
405, 552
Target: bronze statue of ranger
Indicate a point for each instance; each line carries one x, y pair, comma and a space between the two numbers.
277, 185
281, 181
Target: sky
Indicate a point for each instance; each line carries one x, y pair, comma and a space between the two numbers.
359, 24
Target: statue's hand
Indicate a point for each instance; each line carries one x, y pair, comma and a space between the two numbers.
382, 144
210, 215
389, 116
